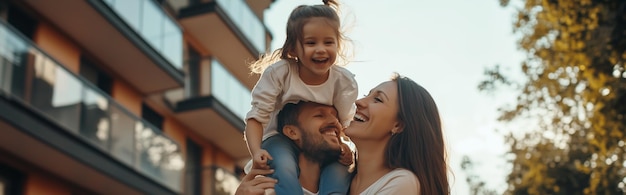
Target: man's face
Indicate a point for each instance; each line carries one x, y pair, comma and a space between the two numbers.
320, 129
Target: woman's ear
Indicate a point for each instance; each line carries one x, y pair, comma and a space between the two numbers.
292, 132
398, 127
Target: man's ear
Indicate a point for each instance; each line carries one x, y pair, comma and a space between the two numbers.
292, 132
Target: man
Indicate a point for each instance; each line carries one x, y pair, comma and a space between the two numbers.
314, 129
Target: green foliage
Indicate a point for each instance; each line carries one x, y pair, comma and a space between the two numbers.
576, 89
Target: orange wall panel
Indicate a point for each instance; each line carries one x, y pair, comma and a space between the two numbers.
224, 161
207, 155
127, 96
37, 184
175, 130
58, 46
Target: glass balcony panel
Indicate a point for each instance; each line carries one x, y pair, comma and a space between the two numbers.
110, 2
122, 136
158, 156
245, 105
172, 42
243, 17
12, 48
154, 25
130, 11
95, 121
5, 76
14, 56
219, 78
56, 93
225, 181
229, 91
79, 107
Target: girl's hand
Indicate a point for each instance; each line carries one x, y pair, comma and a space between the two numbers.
260, 158
347, 156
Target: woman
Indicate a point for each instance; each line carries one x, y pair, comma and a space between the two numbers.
399, 141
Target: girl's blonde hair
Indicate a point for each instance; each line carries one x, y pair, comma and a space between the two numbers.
298, 18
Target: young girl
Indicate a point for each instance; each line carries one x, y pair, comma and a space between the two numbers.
303, 69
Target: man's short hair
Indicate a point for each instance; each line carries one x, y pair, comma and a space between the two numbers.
288, 116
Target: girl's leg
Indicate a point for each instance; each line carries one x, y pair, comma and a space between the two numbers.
285, 164
335, 179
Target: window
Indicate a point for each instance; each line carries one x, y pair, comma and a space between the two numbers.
193, 74
21, 20
151, 116
11, 180
193, 177
93, 74
4, 6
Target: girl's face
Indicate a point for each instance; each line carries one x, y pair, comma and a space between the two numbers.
376, 114
318, 50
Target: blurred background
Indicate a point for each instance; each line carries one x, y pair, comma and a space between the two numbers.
149, 96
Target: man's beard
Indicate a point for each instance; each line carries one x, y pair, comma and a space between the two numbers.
319, 151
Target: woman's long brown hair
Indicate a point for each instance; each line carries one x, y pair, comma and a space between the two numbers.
419, 147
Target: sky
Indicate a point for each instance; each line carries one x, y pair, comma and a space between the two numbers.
443, 46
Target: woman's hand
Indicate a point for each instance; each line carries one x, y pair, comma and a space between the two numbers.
347, 156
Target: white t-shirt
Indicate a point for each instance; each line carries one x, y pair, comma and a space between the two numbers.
280, 84
398, 181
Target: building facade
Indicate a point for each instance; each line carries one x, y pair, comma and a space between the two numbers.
126, 96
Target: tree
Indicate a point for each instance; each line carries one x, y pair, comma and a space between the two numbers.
476, 184
575, 88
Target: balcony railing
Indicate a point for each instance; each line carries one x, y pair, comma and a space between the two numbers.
154, 25
245, 19
32, 77
226, 182
229, 91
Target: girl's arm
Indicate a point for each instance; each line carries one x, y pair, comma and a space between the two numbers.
254, 135
264, 97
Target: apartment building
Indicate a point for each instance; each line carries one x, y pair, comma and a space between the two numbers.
126, 96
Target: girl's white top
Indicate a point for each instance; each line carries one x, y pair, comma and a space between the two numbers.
280, 84
398, 181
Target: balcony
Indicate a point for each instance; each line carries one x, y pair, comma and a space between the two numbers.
132, 37
216, 115
227, 28
54, 119
225, 182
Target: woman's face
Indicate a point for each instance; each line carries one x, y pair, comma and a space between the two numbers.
376, 114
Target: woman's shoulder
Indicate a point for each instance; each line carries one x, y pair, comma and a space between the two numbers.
397, 181
402, 173
403, 179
